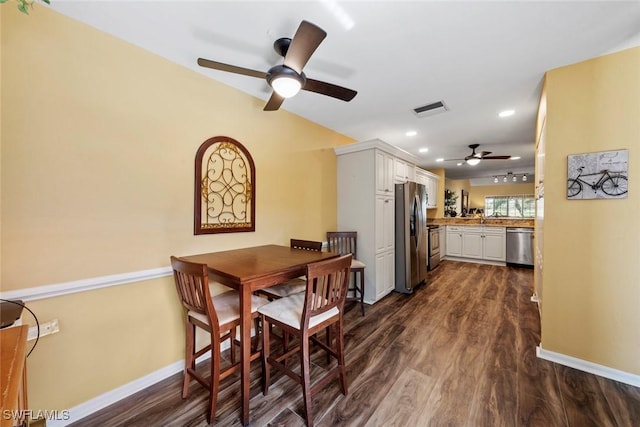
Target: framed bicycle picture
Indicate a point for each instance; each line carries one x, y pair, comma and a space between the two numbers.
601, 175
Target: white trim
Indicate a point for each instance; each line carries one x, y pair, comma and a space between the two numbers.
65, 288
380, 145
109, 398
474, 260
590, 367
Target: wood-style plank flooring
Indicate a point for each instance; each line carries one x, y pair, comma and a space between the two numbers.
458, 352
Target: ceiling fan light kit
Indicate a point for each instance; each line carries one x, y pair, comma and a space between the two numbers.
475, 158
287, 79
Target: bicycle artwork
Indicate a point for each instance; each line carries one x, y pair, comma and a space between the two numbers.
600, 175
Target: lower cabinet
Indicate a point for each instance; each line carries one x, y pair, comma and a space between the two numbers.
454, 241
385, 272
494, 245
483, 243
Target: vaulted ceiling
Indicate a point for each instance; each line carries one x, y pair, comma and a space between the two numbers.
479, 58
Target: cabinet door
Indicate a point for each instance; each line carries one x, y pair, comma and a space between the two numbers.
421, 178
403, 171
472, 245
494, 247
385, 274
432, 192
384, 173
385, 227
454, 243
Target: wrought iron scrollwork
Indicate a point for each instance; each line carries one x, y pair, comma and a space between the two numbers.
225, 187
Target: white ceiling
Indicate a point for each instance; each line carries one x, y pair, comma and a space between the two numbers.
478, 57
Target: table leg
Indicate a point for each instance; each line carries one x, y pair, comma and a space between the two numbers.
245, 354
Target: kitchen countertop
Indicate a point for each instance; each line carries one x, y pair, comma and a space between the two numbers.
495, 222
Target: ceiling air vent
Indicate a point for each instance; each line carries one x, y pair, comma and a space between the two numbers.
431, 109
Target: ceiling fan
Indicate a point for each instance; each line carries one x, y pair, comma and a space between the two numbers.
475, 158
288, 79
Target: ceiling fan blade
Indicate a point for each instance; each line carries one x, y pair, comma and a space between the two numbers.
274, 102
231, 68
329, 89
482, 154
304, 43
497, 157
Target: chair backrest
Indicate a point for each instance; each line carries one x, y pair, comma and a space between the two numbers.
342, 242
308, 245
327, 283
192, 284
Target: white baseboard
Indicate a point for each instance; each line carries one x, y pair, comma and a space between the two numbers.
102, 401
590, 367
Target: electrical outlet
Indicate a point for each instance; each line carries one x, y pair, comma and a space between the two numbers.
45, 329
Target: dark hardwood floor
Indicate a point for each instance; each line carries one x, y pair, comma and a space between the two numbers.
458, 352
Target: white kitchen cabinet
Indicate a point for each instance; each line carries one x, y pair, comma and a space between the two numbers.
432, 192
454, 241
385, 271
403, 171
366, 195
384, 173
385, 223
494, 244
476, 243
472, 242
430, 181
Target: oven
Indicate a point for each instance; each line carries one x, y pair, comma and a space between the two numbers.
434, 247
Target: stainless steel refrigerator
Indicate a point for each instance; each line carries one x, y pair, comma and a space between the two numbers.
411, 236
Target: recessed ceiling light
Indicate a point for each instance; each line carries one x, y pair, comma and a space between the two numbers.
423, 150
515, 158
439, 160
459, 164
411, 133
506, 113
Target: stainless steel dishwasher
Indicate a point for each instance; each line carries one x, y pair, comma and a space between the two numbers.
520, 247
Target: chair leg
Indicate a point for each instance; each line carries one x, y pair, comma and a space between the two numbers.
266, 368
215, 376
258, 328
233, 345
285, 346
306, 378
362, 291
329, 340
189, 360
340, 352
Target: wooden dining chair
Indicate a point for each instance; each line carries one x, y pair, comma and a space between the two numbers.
345, 242
320, 307
219, 316
293, 286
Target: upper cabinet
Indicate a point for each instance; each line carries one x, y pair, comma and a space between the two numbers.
403, 171
430, 180
384, 173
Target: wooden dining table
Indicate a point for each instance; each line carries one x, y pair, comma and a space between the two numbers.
247, 270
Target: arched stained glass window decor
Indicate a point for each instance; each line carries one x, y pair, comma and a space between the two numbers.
225, 197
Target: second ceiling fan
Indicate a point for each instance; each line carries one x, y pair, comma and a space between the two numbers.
475, 158
287, 79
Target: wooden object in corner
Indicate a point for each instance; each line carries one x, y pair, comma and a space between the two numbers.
13, 375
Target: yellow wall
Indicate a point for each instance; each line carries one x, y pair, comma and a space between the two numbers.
98, 145
457, 185
479, 192
591, 271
